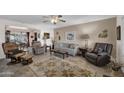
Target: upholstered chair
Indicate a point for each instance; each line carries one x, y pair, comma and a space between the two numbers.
101, 54
37, 48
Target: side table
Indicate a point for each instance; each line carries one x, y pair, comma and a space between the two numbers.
47, 47
83, 51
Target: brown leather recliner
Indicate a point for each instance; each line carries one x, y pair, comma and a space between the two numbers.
10, 49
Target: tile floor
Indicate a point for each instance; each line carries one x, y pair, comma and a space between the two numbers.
18, 70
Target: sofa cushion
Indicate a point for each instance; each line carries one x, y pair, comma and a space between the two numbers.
109, 49
69, 47
91, 55
36, 44
100, 45
64, 45
16, 51
100, 50
95, 51
72, 46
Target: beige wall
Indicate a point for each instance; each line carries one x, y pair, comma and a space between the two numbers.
120, 43
93, 29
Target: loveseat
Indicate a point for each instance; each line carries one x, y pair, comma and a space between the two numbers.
71, 48
100, 55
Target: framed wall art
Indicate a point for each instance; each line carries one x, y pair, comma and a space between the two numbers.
119, 33
70, 36
47, 35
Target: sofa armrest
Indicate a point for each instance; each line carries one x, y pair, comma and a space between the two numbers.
76, 50
103, 54
90, 50
103, 58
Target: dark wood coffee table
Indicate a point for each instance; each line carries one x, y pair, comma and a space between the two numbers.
59, 51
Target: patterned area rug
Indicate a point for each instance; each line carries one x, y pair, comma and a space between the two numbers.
57, 67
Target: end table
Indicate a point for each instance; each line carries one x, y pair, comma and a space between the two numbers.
83, 51
47, 47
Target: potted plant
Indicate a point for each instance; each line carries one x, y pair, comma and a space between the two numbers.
116, 66
53, 43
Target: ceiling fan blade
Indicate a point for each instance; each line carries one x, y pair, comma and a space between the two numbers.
54, 19
59, 16
45, 21
62, 20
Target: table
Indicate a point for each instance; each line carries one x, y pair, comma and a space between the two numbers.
60, 52
83, 51
47, 47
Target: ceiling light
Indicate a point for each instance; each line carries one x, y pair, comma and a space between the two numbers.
54, 21
18, 27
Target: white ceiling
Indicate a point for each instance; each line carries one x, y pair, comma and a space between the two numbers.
37, 19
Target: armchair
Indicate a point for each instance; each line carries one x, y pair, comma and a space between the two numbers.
37, 48
101, 54
10, 49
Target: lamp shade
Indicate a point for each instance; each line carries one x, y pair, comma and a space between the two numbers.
85, 36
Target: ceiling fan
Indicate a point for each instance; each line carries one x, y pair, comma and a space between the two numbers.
54, 19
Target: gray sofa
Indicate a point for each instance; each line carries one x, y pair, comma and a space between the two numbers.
71, 48
101, 54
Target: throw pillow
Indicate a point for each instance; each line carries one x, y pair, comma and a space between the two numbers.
100, 50
95, 51
72, 46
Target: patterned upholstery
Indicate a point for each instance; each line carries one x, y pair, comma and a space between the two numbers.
9, 47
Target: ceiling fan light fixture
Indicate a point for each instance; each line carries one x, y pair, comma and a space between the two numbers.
54, 21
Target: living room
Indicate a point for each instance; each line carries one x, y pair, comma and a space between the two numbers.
63, 46
70, 42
